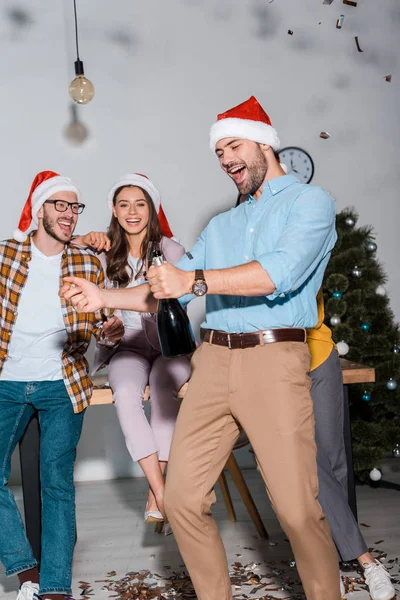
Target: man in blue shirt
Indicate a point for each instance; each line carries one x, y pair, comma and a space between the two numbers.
261, 265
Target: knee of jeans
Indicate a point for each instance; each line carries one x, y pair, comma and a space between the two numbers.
57, 477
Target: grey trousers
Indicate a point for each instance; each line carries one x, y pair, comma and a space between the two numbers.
327, 395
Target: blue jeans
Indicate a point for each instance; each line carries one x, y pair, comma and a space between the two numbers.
60, 430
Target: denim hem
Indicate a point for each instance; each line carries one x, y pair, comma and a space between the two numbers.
55, 590
21, 569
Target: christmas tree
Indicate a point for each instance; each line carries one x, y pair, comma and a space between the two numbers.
358, 312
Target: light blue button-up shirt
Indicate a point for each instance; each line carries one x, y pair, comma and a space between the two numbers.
290, 231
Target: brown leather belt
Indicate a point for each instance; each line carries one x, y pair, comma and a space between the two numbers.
235, 341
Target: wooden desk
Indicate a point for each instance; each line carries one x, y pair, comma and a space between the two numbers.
29, 448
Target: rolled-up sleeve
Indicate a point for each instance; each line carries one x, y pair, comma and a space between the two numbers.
190, 261
307, 238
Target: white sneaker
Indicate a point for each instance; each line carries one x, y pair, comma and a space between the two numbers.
378, 580
342, 588
28, 591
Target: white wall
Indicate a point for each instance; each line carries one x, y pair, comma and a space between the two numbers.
162, 71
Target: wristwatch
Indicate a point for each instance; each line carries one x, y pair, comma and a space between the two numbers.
199, 288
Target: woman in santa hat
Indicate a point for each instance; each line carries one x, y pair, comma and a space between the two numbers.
137, 221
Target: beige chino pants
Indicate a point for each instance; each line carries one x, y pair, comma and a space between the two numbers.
267, 390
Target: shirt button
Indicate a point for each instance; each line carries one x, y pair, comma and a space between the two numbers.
233, 305
251, 230
15, 313
273, 191
246, 257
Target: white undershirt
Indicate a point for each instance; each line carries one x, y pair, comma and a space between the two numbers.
39, 333
131, 318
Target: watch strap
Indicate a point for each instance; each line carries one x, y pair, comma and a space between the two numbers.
199, 275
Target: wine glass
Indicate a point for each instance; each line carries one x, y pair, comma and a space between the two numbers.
112, 284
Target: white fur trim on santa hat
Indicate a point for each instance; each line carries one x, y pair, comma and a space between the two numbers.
256, 131
139, 181
19, 236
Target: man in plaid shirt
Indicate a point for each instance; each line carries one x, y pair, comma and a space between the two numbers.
43, 369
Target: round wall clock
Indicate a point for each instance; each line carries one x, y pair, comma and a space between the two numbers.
299, 163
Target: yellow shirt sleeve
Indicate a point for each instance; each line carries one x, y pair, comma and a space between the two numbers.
319, 339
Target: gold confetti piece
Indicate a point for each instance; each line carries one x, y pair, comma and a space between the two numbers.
290, 32
339, 22
388, 78
324, 135
358, 44
350, 2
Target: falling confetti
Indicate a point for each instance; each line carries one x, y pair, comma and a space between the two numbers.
290, 32
358, 44
327, 2
339, 22
324, 135
350, 2
388, 78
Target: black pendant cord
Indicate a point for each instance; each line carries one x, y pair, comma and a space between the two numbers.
76, 31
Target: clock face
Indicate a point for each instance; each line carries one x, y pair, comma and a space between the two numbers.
298, 162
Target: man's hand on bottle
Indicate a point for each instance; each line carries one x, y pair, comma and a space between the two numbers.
84, 296
166, 281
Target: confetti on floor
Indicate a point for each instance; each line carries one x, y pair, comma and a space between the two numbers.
265, 580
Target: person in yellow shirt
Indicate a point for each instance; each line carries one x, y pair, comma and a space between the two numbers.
327, 395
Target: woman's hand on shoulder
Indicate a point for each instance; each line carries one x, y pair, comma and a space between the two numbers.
95, 239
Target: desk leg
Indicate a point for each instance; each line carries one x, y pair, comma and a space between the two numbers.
29, 452
351, 487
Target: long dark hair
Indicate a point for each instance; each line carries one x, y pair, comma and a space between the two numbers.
118, 268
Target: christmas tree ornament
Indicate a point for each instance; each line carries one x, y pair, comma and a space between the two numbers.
356, 272
366, 396
365, 326
391, 384
372, 247
375, 474
342, 348
337, 294
350, 222
396, 451
335, 320
396, 350
380, 290
81, 89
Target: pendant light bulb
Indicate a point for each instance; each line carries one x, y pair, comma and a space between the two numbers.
81, 89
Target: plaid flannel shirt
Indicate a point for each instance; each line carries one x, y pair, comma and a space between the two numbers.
14, 269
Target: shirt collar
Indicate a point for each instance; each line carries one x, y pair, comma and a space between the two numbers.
274, 186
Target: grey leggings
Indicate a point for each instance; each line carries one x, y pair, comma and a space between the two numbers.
327, 395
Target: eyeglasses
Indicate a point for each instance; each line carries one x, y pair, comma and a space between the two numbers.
62, 206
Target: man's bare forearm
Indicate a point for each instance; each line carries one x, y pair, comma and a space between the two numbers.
139, 299
245, 280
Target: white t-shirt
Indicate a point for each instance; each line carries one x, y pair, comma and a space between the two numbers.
39, 333
131, 318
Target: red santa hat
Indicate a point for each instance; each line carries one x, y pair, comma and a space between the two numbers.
139, 180
247, 121
43, 187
